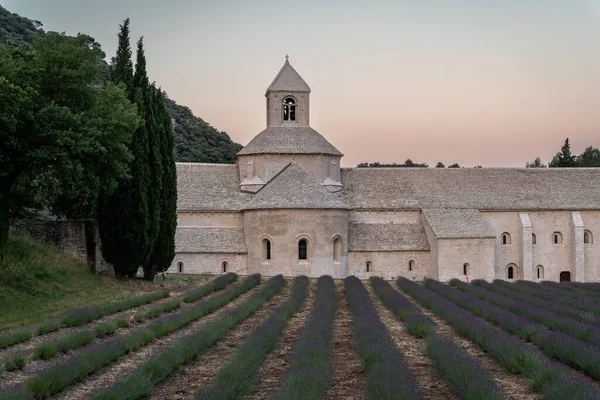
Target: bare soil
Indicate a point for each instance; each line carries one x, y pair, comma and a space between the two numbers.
512, 386
202, 372
430, 381
131, 361
348, 372
277, 363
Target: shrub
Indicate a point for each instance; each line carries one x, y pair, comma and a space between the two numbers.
48, 327
140, 383
75, 339
45, 351
123, 323
17, 361
10, 338
238, 377
105, 328
217, 284
310, 369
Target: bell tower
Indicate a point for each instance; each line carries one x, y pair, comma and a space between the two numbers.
288, 98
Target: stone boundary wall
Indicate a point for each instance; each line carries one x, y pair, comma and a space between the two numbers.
77, 238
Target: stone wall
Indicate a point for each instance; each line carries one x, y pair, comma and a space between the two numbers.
390, 264
76, 238
195, 263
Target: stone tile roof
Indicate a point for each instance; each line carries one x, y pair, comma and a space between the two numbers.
294, 188
386, 237
208, 187
457, 223
288, 80
475, 188
210, 240
289, 140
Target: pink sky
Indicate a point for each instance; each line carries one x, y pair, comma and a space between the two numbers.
479, 83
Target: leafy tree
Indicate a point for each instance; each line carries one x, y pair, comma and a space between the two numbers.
455, 165
589, 158
563, 159
57, 125
537, 163
440, 165
163, 251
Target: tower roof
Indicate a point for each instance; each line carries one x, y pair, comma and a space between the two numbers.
288, 79
289, 140
294, 188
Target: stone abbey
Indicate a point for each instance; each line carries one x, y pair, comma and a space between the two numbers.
286, 207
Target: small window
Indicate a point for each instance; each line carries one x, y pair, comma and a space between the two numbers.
587, 237
557, 238
337, 249
266, 245
289, 109
506, 238
511, 273
180, 267
369, 266
224, 266
302, 249
533, 238
411, 265
540, 272
466, 269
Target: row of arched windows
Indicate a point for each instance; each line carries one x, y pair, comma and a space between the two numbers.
369, 265
556, 238
224, 267
303, 249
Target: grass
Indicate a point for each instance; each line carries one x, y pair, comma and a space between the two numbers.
36, 283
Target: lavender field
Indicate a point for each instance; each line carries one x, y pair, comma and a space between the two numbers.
298, 338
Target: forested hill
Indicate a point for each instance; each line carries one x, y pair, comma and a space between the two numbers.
195, 139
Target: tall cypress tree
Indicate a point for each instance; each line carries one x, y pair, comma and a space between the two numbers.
164, 247
123, 216
122, 71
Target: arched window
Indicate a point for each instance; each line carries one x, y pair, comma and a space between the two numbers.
369, 266
289, 109
337, 248
533, 238
302, 249
466, 269
411, 264
556, 238
540, 272
266, 244
506, 238
587, 237
224, 266
180, 267
511, 272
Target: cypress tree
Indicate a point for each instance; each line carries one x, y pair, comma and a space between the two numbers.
123, 216
122, 71
164, 247
565, 158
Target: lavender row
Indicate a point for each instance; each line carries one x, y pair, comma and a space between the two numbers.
557, 345
570, 288
219, 283
387, 374
464, 373
79, 316
558, 308
237, 379
584, 304
310, 371
554, 380
528, 308
61, 374
142, 382
568, 295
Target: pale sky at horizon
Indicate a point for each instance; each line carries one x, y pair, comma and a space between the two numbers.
478, 82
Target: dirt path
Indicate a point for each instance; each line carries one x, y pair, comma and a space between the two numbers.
348, 373
131, 361
277, 363
34, 366
430, 381
185, 383
512, 386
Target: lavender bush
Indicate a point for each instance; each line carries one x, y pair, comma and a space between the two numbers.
239, 376
310, 373
217, 284
388, 376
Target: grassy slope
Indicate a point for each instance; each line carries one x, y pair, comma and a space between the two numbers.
36, 283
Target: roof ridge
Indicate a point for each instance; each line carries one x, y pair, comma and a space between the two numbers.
286, 64
273, 178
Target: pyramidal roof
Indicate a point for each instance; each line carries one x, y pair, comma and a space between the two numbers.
288, 80
295, 188
289, 140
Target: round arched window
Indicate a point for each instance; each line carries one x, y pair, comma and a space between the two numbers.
302, 249
289, 109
